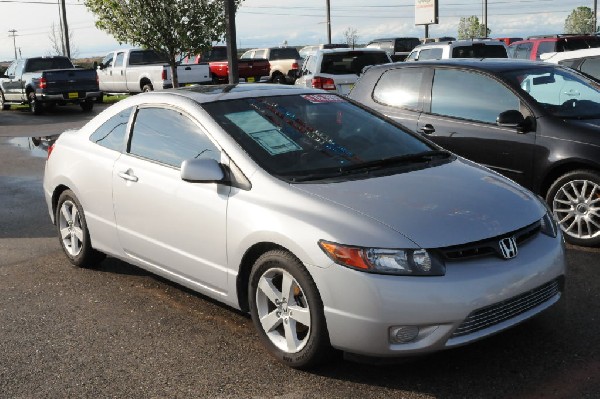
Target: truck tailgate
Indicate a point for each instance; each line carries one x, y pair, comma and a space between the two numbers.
70, 80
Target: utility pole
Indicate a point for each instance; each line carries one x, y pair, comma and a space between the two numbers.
65, 29
328, 22
595, 16
13, 33
484, 18
230, 36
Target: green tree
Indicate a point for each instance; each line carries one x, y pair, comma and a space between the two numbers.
470, 28
172, 27
580, 21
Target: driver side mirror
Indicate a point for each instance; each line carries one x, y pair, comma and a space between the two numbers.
512, 119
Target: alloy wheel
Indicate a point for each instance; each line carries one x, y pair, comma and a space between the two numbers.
576, 206
71, 232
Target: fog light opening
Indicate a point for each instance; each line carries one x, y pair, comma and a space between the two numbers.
403, 334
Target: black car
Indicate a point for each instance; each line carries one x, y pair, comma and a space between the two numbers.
536, 123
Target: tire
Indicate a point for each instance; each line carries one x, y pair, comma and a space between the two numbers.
73, 233
279, 79
575, 202
293, 330
87, 105
100, 99
3, 105
35, 106
147, 87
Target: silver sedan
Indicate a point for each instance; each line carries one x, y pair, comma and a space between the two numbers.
335, 228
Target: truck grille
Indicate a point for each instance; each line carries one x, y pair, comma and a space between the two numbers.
505, 310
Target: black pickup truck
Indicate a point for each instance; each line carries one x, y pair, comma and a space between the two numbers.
46, 81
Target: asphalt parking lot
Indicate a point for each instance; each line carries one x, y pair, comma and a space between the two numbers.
119, 331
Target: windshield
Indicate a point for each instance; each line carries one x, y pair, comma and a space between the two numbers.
562, 93
318, 136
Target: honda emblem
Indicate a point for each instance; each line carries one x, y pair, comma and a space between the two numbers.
508, 247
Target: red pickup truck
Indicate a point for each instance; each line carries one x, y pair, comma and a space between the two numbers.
249, 70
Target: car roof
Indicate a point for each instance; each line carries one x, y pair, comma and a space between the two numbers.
483, 64
569, 55
492, 42
212, 93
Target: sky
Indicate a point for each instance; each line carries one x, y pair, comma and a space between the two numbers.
262, 23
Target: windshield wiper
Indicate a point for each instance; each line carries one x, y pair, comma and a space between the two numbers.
426, 156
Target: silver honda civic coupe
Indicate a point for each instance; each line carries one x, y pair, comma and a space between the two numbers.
334, 227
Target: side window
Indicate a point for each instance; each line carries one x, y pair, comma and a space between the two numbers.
11, 69
167, 136
567, 63
400, 87
260, 54
591, 66
107, 61
523, 50
413, 55
112, 132
482, 98
19, 67
431, 54
310, 64
544, 47
119, 60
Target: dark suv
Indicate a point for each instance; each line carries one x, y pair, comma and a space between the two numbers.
537, 123
532, 47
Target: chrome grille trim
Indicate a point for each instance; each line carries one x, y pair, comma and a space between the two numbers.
505, 310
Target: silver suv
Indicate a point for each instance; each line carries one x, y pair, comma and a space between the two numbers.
476, 48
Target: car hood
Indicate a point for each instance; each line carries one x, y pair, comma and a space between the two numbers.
451, 204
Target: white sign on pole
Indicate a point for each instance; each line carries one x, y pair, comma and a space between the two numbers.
426, 12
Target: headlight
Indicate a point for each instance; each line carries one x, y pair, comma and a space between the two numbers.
405, 262
549, 226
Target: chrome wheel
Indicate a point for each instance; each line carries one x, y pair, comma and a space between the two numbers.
283, 310
576, 206
70, 228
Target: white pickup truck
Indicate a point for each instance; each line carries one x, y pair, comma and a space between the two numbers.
137, 70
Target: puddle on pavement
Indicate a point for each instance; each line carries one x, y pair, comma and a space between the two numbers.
38, 146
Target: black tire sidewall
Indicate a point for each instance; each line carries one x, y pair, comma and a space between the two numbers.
560, 182
35, 105
317, 347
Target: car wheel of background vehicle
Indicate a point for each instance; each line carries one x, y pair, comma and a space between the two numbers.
575, 202
35, 106
87, 105
147, 87
287, 310
3, 105
73, 233
279, 78
100, 99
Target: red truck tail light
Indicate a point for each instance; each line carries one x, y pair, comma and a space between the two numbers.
295, 66
43, 83
164, 74
319, 82
50, 150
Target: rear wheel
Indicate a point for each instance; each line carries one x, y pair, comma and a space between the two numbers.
575, 202
287, 310
3, 105
147, 87
87, 105
73, 233
279, 78
35, 106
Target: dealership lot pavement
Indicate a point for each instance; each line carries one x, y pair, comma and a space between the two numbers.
121, 332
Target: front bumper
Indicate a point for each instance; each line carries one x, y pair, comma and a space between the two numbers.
361, 308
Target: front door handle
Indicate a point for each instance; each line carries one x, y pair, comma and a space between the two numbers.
128, 175
427, 129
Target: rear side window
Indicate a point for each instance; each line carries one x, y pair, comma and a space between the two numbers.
545, 47
481, 97
286, 53
431, 54
591, 66
400, 87
479, 50
169, 137
577, 43
352, 62
522, 51
112, 132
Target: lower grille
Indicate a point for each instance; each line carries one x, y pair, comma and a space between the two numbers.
505, 310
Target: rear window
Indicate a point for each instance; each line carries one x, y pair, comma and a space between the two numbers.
215, 54
577, 43
353, 62
407, 44
288, 53
146, 57
479, 50
42, 64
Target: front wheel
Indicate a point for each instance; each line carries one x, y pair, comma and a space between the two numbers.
279, 79
73, 233
3, 105
575, 202
287, 310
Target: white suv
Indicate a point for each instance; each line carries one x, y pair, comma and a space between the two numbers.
476, 48
338, 69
